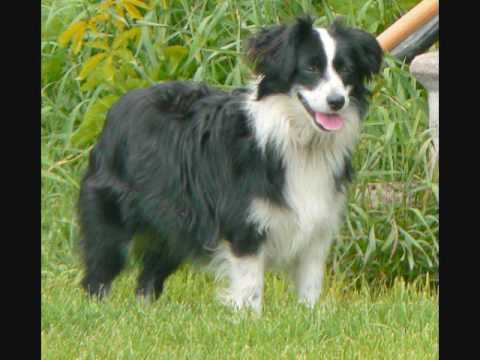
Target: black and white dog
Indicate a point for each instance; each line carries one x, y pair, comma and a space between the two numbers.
254, 178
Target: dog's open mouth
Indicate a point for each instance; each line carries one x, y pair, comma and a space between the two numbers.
327, 122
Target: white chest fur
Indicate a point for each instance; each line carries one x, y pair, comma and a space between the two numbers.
314, 209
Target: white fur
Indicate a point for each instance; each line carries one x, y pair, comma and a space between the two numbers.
309, 268
246, 278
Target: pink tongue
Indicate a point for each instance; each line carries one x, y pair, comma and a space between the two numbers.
329, 121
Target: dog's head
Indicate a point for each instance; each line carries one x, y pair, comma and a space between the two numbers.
323, 69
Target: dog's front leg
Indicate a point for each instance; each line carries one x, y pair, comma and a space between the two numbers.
246, 275
309, 269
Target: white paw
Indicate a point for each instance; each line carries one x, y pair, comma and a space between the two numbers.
308, 295
308, 302
246, 300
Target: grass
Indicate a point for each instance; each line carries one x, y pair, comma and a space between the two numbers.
380, 300
399, 322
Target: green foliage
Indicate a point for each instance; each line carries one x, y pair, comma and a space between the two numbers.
93, 52
392, 225
93, 121
102, 39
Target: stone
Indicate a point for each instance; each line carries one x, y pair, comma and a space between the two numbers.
425, 68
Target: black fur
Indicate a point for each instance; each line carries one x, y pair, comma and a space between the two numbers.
179, 161
272, 53
345, 176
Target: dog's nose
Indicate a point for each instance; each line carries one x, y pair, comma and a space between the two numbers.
335, 101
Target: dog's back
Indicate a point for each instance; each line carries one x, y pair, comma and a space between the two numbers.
138, 112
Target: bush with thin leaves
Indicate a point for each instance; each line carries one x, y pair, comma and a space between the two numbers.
93, 52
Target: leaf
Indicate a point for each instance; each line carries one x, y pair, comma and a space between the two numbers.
121, 22
359, 211
125, 56
108, 70
362, 12
92, 81
131, 84
435, 191
409, 241
92, 23
73, 29
373, 27
52, 66
93, 121
105, 4
78, 38
132, 11
371, 244
90, 64
98, 44
100, 18
138, 3
389, 132
391, 238
175, 51
125, 36
328, 11
422, 219
175, 54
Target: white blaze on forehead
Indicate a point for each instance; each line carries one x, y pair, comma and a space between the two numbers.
329, 45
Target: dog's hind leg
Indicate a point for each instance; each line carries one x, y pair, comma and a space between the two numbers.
157, 266
104, 239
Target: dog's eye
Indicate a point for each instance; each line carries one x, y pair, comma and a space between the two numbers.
313, 68
341, 66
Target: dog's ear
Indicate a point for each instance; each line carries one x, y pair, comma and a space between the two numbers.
272, 54
367, 50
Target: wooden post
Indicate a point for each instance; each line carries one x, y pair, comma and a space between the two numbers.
408, 24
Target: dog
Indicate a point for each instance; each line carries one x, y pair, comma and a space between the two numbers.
252, 179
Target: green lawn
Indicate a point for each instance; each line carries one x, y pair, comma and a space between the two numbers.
189, 323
